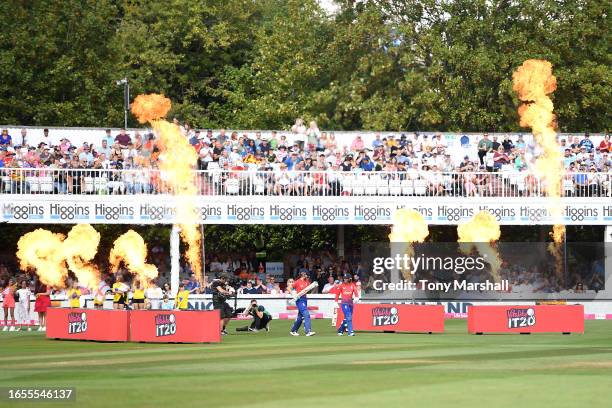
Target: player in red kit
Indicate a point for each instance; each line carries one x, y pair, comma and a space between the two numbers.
345, 294
302, 305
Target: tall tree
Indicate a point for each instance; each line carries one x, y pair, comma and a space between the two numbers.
56, 64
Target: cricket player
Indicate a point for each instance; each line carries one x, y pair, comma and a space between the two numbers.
302, 305
344, 295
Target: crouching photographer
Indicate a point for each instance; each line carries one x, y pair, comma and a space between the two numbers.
261, 318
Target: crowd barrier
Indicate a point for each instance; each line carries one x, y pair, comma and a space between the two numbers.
255, 182
156, 326
396, 318
171, 326
88, 324
526, 319
458, 309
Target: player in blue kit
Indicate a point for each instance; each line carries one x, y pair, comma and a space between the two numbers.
302, 286
346, 292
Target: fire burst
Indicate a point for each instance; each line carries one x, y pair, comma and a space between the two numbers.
533, 82
177, 161
80, 248
47, 253
481, 233
41, 251
409, 227
131, 250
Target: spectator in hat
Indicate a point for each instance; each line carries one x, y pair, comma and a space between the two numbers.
291, 160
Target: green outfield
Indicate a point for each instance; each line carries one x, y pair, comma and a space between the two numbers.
369, 370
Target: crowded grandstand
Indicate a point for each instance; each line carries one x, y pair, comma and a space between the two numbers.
302, 162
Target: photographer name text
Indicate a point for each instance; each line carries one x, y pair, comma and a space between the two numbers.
423, 284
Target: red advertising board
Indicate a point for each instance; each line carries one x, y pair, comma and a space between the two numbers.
88, 324
175, 326
396, 318
526, 319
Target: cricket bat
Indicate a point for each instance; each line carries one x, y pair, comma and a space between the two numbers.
335, 315
307, 289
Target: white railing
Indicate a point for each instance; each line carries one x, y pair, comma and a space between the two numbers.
300, 183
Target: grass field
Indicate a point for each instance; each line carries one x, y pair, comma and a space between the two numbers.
369, 370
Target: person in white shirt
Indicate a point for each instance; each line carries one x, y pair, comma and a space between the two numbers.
234, 156
329, 285
153, 296
299, 132
205, 154
413, 171
22, 308
439, 143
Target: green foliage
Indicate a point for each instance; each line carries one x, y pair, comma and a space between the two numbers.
276, 240
386, 65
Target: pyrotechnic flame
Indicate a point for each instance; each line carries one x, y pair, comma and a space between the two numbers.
177, 161
148, 108
131, 250
80, 248
481, 233
42, 251
409, 227
533, 81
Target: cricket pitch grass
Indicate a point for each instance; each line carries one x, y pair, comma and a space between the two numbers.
276, 370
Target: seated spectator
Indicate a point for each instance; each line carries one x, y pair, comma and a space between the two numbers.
5, 139
259, 287
249, 288
192, 286
587, 142
605, 145
329, 285
123, 139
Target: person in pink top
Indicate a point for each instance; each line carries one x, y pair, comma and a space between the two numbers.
8, 304
357, 144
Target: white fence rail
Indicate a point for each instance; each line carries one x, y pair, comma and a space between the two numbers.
216, 182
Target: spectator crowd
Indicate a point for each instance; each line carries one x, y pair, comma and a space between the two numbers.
304, 161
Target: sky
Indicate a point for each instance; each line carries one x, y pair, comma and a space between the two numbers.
328, 5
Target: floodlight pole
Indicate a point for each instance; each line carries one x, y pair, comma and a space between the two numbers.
126, 102
175, 256
126, 99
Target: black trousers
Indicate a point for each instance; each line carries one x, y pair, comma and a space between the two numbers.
260, 324
481, 155
257, 323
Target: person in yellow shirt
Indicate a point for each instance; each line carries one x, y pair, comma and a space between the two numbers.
74, 295
138, 297
182, 298
120, 291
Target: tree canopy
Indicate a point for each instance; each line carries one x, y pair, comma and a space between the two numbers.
386, 65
